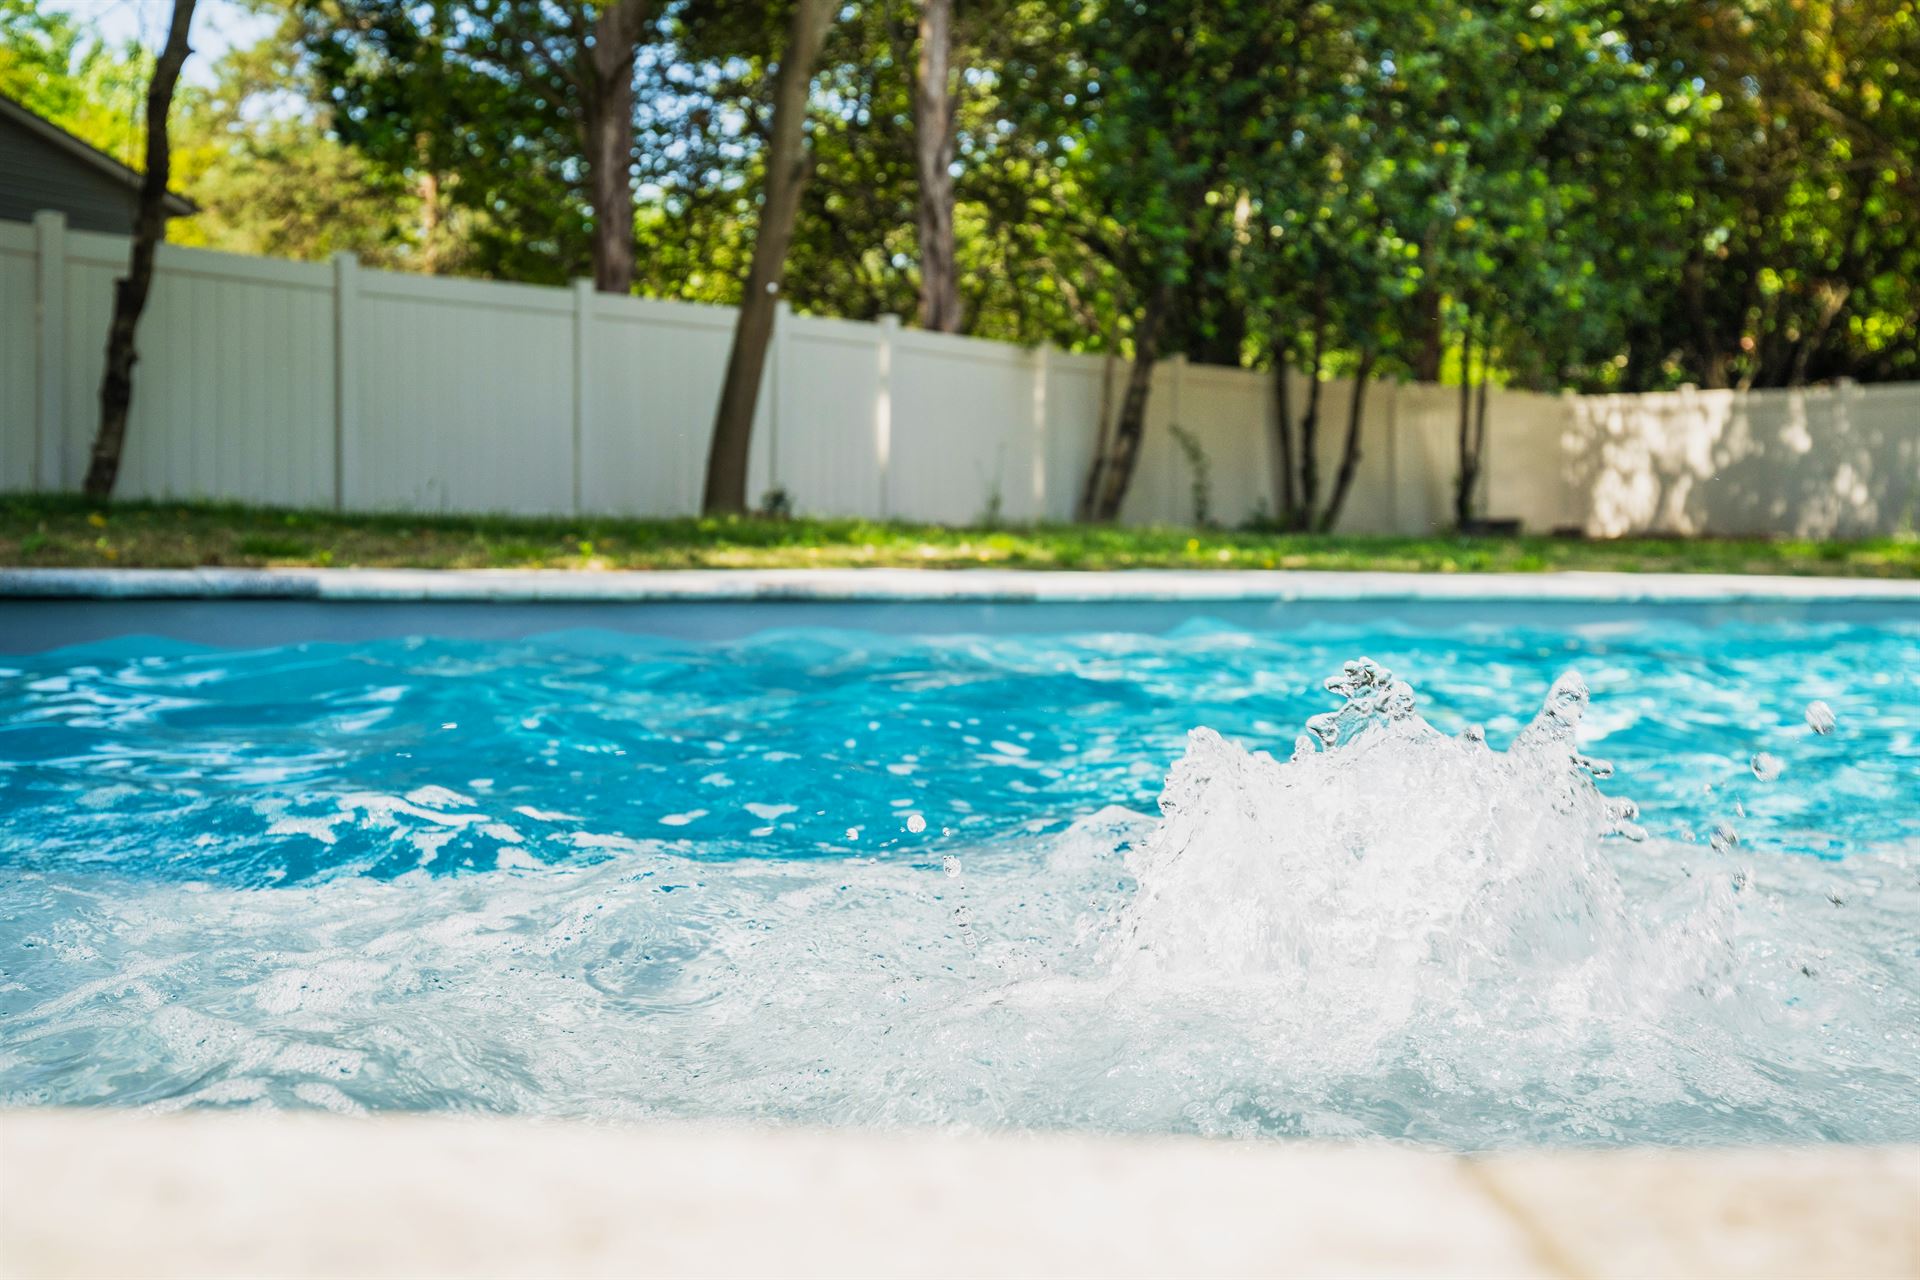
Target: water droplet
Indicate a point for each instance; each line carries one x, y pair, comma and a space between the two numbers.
916, 823
1723, 838
951, 865
1358, 677
1767, 767
1820, 717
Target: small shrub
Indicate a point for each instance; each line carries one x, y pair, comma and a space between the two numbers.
1202, 473
776, 504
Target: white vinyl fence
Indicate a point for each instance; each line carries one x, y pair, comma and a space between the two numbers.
327, 385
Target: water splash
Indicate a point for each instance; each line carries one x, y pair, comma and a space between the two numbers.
1392, 932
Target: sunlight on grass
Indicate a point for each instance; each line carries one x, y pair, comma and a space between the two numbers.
66, 532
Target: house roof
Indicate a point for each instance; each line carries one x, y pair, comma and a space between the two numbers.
175, 204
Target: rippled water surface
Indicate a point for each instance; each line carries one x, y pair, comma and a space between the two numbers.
838, 877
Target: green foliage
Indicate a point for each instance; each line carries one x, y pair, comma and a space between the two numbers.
51, 65
1630, 194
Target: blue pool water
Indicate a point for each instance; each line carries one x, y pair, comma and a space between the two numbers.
840, 876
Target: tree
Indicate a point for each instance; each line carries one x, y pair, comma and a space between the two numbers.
527, 106
1167, 103
788, 167
255, 149
935, 121
130, 291
94, 91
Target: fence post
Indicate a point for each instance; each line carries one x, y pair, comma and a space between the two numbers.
50, 370
1393, 457
776, 403
1040, 365
1175, 457
883, 409
582, 334
346, 372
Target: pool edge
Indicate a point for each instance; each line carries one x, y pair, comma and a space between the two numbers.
210, 1193
636, 586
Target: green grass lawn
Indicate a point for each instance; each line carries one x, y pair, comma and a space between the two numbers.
67, 532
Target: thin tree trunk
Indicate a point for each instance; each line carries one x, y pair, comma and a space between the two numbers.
789, 166
130, 292
1350, 451
1284, 495
606, 123
934, 120
1132, 424
1467, 469
1102, 430
1310, 433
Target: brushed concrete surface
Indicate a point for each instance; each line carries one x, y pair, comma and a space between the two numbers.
231, 1194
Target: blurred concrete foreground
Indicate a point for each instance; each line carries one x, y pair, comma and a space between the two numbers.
100, 1194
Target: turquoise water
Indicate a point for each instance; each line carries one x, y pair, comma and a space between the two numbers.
841, 877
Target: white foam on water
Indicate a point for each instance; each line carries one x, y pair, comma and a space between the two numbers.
1389, 932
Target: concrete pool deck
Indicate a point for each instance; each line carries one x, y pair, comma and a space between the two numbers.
903, 585
95, 1193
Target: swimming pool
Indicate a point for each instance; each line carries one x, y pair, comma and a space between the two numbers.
900, 864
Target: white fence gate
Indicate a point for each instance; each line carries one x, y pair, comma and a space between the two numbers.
326, 385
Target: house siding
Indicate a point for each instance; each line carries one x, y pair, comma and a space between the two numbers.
35, 174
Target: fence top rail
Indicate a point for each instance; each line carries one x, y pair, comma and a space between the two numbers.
408, 287
860, 333
960, 347
96, 248
627, 307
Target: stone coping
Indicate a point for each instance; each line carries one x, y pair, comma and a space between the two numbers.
99, 1193
929, 585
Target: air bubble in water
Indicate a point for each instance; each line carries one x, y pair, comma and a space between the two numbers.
1767, 767
951, 865
916, 823
1820, 717
1724, 838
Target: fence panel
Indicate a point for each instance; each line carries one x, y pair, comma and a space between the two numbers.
1228, 415
463, 397
1073, 402
830, 459
19, 358
233, 392
1819, 462
1526, 473
477, 396
963, 439
653, 380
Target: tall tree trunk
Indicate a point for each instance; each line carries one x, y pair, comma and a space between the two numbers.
1467, 472
1286, 497
1310, 432
789, 166
1350, 451
1117, 469
934, 121
130, 292
1102, 430
606, 123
